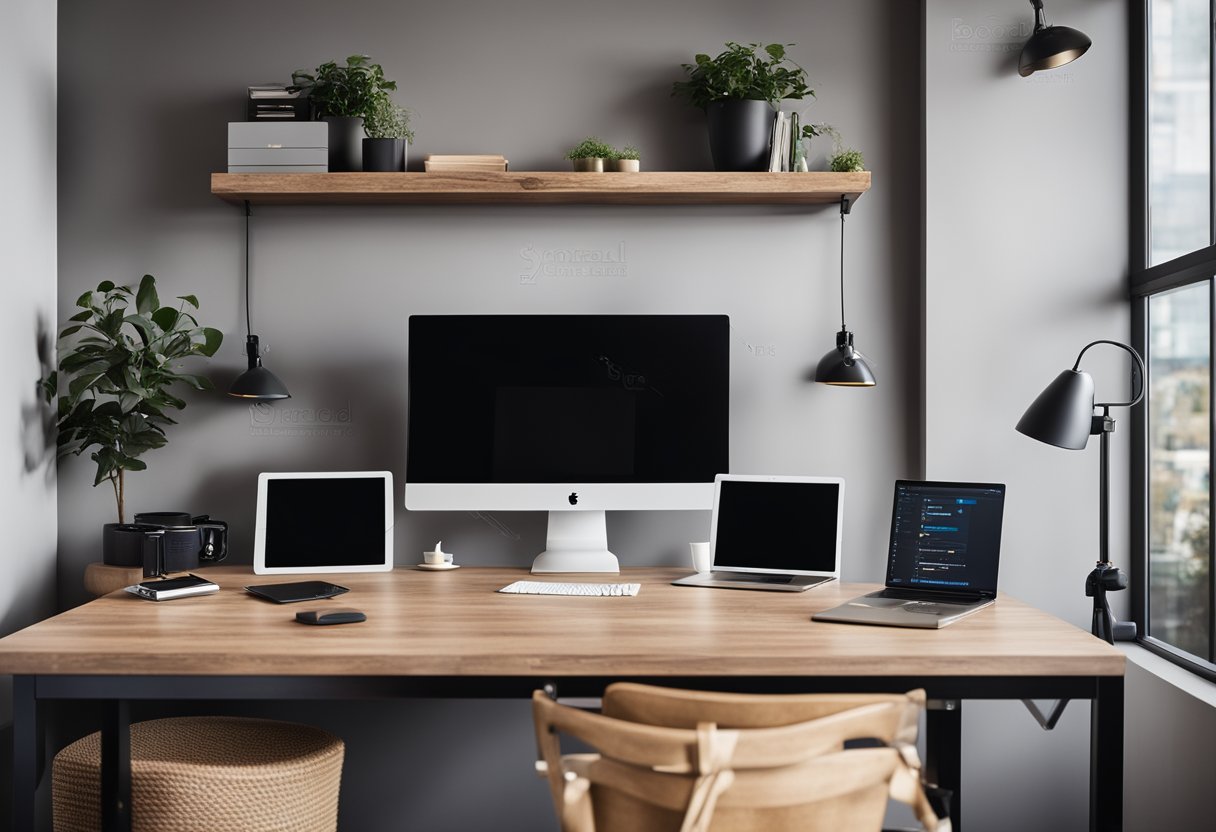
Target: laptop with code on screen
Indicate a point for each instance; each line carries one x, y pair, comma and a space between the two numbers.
773, 532
943, 558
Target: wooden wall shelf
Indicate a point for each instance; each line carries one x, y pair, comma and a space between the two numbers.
541, 188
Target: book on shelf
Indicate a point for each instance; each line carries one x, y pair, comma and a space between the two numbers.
784, 152
273, 91
441, 162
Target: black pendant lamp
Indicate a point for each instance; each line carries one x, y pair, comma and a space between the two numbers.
257, 383
844, 366
1050, 46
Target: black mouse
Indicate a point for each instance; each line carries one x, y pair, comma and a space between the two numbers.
330, 617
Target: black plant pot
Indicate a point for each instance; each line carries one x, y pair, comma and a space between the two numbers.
345, 143
740, 134
384, 155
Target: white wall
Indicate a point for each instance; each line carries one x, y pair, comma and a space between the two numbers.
27, 317
1025, 262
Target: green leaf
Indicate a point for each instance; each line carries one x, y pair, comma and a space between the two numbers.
165, 318
145, 327
776, 51
85, 300
146, 300
212, 340
82, 316
105, 286
69, 331
190, 299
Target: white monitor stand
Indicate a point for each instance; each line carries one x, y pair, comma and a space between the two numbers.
577, 541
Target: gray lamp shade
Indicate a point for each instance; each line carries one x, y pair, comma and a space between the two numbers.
1050, 47
257, 383
844, 366
1063, 413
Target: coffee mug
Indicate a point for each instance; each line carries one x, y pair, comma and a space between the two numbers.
436, 558
701, 561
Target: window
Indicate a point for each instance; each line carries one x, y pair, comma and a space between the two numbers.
1173, 261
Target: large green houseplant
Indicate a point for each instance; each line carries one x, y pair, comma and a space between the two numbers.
344, 96
117, 366
738, 89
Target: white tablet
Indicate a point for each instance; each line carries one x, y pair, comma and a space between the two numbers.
332, 521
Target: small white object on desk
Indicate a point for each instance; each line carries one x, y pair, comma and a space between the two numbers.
582, 590
437, 560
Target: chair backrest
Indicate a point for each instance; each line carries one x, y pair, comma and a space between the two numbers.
784, 769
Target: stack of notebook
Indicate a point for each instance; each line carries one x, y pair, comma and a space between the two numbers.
439, 163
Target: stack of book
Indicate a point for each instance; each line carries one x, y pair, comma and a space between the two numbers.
275, 102
785, 154
446, 163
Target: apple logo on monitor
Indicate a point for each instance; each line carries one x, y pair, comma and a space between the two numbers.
573, 498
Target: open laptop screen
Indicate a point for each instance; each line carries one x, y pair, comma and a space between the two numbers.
777, 525
946, 537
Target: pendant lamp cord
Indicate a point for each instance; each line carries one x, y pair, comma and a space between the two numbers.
843, 211
248, 319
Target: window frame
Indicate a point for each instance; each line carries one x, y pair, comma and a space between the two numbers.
1144, 282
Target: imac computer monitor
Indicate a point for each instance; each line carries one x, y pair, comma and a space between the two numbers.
570, 414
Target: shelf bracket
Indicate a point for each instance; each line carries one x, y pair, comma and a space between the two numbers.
846, 204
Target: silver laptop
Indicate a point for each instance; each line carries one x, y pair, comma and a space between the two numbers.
775, 533
942, 564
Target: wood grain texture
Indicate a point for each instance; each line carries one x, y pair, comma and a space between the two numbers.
541, 187
455, 624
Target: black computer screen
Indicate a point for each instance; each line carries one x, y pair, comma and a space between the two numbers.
568, 398
777, 525
946, 536
325, 522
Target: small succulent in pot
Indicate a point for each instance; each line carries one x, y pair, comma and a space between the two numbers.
847, 160
589, 155
625, 160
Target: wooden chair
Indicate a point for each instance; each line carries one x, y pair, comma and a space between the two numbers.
693, 761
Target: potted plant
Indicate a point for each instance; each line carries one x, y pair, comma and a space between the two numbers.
625, 160
114, 379
343, 96
388, 137
738, 90
589, 155
847, 160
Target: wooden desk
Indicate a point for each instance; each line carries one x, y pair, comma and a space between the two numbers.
450, 634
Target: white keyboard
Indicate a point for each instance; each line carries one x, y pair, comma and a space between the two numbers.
582, 590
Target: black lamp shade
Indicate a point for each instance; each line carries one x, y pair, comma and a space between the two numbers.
844, 366
260, 384
1063, 413
1050, 47
257, 383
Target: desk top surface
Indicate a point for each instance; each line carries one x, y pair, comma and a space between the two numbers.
433, 624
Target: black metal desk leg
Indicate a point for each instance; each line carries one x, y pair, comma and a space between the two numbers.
116, 767
944, 751
26, 741
1106, 756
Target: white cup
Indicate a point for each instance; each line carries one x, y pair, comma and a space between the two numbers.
700, 557
437, 558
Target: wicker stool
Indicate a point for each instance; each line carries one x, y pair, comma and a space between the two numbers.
209, 774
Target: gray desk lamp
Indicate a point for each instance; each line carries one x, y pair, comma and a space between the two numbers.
1063, 415
256, 383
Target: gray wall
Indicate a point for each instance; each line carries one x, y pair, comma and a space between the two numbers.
1026, 261
146, 89
27, 316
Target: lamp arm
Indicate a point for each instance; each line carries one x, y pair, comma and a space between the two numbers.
1039, 20
1138, 372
